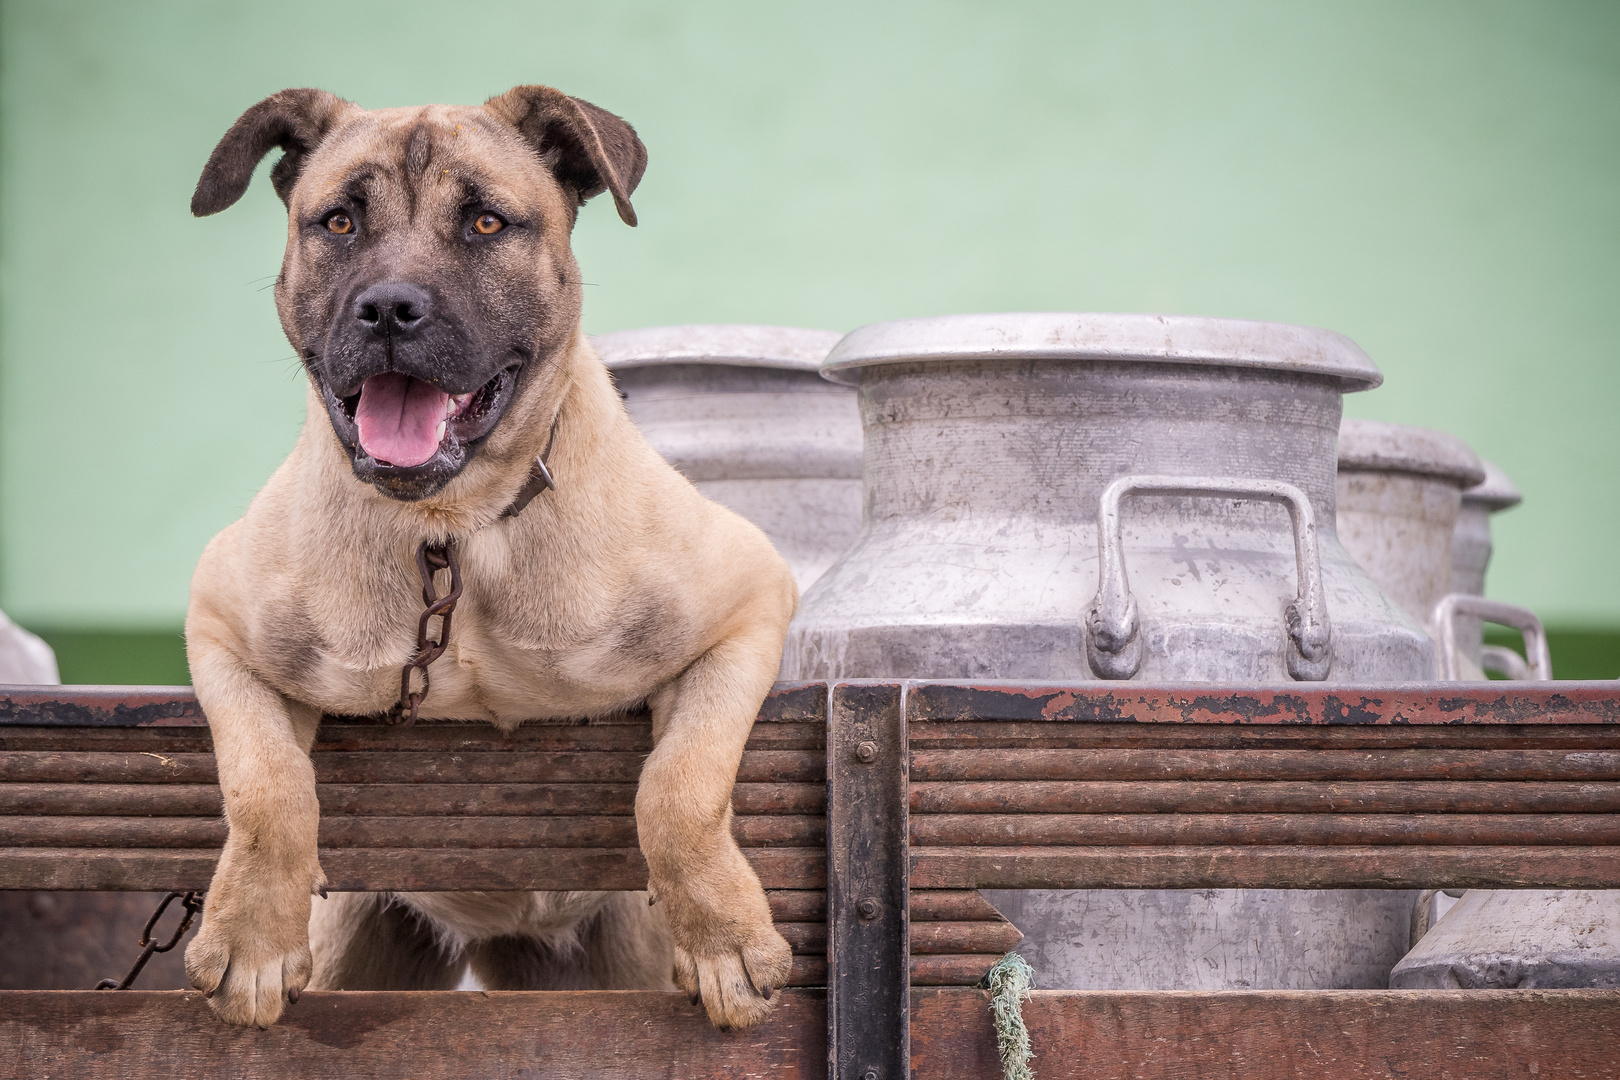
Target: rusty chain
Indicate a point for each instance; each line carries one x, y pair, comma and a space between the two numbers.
192, 902
430, 558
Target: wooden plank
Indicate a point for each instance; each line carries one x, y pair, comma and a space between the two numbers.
1266, 868
1309, 763
951, 970
589, 1035
939, 938
382, 868
1296, 703
798, 905
1264, 797
176, 706
392, 767
1281, 1035
1068, 830
761, 830
805, 937
390, 800
439, 738
951, 905
1059, 735
867, 909
605, 1035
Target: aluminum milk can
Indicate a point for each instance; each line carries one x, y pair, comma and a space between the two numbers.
1399, 492
1502, 939
1507, 938
995, 446
1057, 496
1470, 555
742, 412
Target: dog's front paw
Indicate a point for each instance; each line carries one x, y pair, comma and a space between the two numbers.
734, 972
249, 961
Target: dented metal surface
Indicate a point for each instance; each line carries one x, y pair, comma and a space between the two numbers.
989, 442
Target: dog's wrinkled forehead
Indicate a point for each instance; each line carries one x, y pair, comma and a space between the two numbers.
526, 132
401, 162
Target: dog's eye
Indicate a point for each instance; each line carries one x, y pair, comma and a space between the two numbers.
488, 225
340, 223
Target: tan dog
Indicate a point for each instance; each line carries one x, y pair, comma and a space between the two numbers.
429, 286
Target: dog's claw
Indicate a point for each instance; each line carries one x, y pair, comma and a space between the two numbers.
766, 993
321, 892
292, 997
697, 999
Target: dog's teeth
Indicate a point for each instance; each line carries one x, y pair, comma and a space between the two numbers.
457, 402
440, 433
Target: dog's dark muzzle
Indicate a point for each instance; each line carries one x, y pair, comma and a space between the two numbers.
407, 393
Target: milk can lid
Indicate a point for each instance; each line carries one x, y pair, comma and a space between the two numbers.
734, 345
1374, 446
1495, 492
1169, 339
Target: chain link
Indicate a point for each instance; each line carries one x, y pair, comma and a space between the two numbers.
192, 902
430, 558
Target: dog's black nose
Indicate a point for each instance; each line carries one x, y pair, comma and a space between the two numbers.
392, 306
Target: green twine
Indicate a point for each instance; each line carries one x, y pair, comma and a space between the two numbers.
1008, 982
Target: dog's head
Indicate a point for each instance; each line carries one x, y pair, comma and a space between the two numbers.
428, 274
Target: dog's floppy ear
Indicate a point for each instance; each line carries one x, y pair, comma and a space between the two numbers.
295, 120
588, 149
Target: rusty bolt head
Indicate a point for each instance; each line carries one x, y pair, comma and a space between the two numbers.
868, 909
866, 753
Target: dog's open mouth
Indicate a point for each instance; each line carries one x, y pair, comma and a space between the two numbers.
402, 421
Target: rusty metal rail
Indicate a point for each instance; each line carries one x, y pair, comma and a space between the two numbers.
888, 818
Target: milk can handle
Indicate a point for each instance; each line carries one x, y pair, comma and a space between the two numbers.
1113, 633
1443, 624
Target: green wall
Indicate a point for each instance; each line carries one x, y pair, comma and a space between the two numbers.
1438, 181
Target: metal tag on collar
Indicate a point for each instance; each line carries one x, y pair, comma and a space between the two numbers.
539, 480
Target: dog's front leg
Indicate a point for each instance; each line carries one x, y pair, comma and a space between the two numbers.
252, 953
726, 949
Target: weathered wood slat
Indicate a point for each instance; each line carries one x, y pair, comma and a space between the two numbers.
808, 938
421, 737
1070, 830
1299, 703
798, 905
382, 868
758, 830
1058, 735
1263, 764
938, 941
1296, 867
604, 1035
951, 905
392, 767
927, 905
175, 706
390, 800
1263, 797
933, 938
957, 970
1281, 1035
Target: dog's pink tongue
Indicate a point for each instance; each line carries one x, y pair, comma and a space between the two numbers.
399, 418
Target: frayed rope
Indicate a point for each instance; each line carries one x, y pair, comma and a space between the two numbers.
1009, 982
